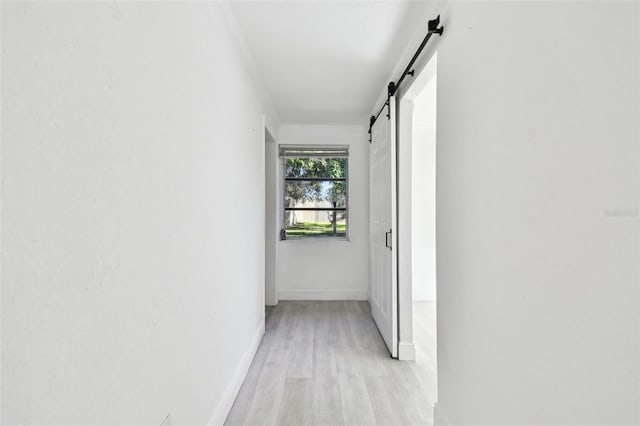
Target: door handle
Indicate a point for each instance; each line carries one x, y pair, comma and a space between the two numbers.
386, 239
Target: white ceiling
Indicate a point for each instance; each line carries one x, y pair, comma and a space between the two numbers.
328, 61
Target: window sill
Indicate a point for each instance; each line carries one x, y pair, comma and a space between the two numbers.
317, 239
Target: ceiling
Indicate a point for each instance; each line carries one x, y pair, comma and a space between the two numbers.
326, 62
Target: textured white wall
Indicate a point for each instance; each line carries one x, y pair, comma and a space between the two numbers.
132, 272
537, 226
314, 268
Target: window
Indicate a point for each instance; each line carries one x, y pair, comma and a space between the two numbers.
315, 188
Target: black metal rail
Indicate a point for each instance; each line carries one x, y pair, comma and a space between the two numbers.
392, 88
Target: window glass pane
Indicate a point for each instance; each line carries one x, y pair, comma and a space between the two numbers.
315, 224
313, 185
315, 194
316, 167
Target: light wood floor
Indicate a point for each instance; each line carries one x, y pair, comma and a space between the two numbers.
324, 363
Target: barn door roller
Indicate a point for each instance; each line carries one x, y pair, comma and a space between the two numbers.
432, 28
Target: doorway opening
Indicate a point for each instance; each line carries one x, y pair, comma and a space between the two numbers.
423, 224
417, 224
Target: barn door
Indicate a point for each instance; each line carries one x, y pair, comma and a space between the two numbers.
383, 235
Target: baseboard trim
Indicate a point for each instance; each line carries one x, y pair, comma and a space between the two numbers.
439, 417
406, 351
324, 295
233, 388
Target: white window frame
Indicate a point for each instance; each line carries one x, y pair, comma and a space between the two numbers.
314, 151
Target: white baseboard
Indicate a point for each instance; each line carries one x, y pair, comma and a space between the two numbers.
229, 396
324, 295
439, 418
406, 351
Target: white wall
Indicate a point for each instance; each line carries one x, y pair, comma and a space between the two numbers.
330, 269
132, 272
537, 226
423, 194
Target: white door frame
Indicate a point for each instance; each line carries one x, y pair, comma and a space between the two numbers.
272, 217
406, 345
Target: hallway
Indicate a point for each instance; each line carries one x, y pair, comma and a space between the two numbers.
325, 363
154, 156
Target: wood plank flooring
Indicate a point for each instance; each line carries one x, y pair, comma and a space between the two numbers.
324, 363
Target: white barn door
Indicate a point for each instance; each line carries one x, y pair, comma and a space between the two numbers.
383, 235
